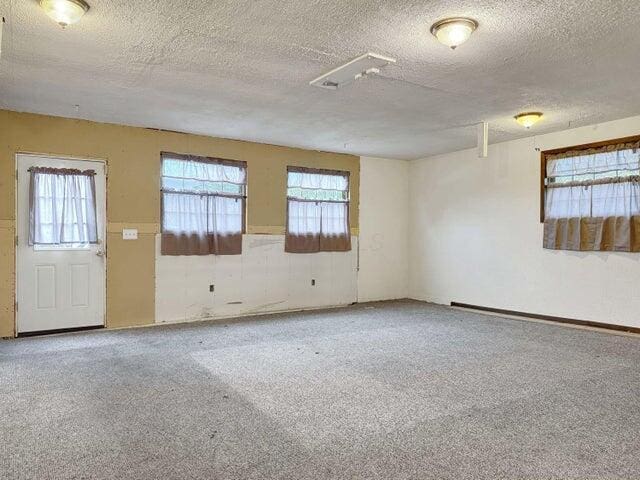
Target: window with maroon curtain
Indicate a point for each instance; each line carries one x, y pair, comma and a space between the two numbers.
203, 205
317, 211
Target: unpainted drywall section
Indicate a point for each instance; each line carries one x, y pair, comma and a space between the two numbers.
384, 227
133, 197
476, 236
263, 279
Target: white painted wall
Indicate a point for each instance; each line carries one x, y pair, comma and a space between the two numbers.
263, 279
475, 236
384, 227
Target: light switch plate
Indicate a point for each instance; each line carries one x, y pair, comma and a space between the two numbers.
129, 233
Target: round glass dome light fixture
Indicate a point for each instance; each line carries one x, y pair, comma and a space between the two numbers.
453, 32
528, 119
64, 12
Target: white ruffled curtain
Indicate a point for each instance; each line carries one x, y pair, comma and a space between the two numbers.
203, 177
594, 161
62, 207
338, 183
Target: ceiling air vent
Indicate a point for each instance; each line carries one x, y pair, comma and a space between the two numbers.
367, 64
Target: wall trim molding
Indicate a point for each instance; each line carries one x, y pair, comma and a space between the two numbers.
549, 318
281, 230
39, 333
265, 230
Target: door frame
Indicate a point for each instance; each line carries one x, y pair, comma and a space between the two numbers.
104, 162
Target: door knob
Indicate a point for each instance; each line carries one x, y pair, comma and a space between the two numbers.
100, 253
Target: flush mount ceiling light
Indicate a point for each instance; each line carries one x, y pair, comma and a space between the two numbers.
528, 119
453, 32
64, 12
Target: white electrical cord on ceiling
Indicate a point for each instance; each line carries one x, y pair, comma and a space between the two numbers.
482, 126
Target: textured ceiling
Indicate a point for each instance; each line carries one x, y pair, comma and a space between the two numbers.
240, 69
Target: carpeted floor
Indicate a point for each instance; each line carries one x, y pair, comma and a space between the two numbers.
392, 390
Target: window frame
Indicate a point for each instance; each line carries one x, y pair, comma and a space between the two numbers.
585, 146
211, 160
347, 203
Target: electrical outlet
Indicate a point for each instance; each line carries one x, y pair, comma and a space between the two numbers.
313, 282
212, 288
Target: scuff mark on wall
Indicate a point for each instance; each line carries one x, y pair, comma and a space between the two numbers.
262, 279
263, 241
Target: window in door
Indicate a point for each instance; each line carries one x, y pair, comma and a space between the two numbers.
62, 208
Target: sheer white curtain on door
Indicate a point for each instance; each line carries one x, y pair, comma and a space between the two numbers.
62, 207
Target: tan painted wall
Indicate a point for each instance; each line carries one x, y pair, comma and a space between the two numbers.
133, 197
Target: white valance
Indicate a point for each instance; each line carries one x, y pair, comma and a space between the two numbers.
593, 162
202, 177
313, 185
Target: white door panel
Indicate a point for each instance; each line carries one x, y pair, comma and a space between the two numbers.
59, 287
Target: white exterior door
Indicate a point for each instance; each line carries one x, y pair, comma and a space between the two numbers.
59, 286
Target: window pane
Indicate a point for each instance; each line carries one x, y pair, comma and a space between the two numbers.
324, 210
568, 202
304, 218
318, 181
191, 203
311, 194
606, 189
334, 219
202, 177
184, 213
317, 186
599, 162
225, 214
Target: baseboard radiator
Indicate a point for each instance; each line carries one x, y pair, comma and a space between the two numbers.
550, 318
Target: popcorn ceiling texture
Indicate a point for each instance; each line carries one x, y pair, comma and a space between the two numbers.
240, 69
